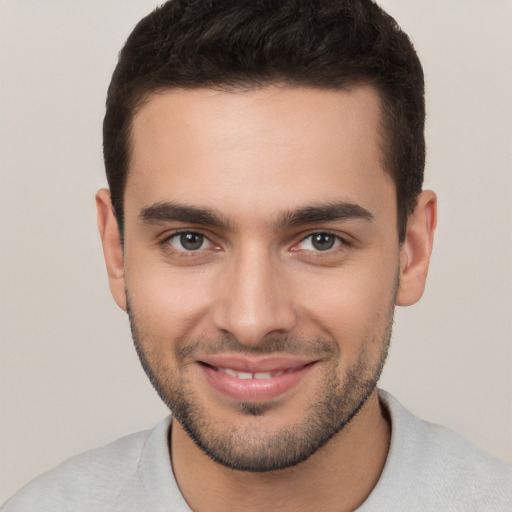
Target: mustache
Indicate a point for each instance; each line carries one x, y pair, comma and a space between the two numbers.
285, 344
317, 347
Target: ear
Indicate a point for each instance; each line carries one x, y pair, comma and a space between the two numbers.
416, 249
112, 247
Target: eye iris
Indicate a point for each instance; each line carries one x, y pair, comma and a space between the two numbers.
191, 241
323, 241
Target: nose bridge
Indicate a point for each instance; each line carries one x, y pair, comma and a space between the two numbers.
252, 299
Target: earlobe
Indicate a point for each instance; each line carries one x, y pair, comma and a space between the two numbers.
416, 249
112, 246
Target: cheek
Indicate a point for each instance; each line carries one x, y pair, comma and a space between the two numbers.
168, 304
355, 307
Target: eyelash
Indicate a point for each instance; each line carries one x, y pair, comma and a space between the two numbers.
339, 242
166, 243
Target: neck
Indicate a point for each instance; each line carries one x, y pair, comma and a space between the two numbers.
338, 477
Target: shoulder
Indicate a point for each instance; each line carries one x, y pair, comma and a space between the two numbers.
431, 467
462, 472
86, 481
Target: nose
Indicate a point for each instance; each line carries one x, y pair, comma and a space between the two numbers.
252, 299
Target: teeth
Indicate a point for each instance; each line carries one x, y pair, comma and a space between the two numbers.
249, 375
262, 375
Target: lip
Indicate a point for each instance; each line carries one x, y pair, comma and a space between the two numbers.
255, 364
254, 390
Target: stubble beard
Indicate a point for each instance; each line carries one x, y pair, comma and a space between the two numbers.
335, 404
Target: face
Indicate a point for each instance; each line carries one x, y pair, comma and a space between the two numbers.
261, 264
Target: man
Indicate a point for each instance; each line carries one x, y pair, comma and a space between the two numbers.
265, 215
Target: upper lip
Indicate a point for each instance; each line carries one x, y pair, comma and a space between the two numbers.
271, 363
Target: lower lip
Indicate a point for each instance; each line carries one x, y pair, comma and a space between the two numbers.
254, 390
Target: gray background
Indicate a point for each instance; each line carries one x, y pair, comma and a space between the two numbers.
70, 379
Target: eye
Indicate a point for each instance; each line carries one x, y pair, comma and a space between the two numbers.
319, 242
189, 241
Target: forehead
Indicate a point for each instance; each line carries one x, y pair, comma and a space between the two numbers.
261, 149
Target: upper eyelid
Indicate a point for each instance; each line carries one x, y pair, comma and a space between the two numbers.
323, 232
335, 235
168, 235
343, 237
164, 241
344, 245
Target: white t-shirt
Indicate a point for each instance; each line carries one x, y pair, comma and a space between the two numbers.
428, 468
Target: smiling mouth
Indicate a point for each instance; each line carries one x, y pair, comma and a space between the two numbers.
246, 375
255, 384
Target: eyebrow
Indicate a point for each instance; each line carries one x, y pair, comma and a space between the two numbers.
170, 211
324, 213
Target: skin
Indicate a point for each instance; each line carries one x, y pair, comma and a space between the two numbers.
253, 158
